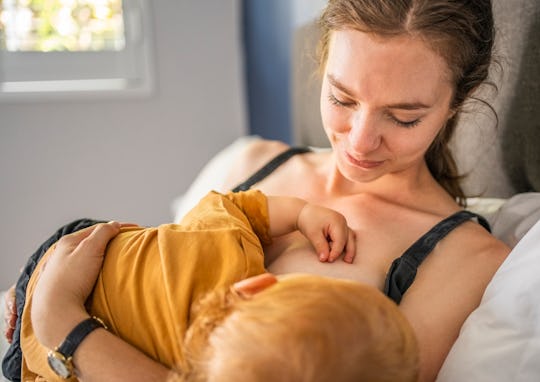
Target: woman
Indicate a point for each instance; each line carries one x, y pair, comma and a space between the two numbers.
395, 77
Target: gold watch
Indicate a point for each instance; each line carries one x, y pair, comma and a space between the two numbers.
61, 359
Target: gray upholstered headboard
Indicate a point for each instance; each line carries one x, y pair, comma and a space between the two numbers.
501, 161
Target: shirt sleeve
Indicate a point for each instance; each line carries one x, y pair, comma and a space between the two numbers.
253, 203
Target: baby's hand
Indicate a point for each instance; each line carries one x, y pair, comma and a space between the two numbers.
328, 232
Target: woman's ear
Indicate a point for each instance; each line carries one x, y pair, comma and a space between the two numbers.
253, 285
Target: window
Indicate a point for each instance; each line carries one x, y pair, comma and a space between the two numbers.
74, 47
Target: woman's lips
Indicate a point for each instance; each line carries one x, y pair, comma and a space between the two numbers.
366, 164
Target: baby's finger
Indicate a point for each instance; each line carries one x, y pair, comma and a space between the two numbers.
338, 241
350, 247
322, 247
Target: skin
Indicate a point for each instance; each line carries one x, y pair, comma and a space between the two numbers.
383, 101
326, 229
373, 89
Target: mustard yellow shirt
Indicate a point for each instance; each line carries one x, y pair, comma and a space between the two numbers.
151, 276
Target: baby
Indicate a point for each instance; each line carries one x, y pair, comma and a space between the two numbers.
303, 328
195, 296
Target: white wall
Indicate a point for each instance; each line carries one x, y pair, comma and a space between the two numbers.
123, 159
305, 11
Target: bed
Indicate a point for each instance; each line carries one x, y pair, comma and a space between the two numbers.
500, 341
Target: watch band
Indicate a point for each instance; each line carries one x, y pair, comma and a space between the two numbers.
61, 359
77, 335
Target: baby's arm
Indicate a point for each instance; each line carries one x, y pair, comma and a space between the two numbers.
325, 228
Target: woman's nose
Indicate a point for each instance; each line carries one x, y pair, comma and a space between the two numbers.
364, 136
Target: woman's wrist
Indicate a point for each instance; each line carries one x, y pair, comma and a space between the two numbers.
52, 327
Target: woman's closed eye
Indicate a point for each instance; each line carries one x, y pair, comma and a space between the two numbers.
403, 120
402, 123
397, 121
333, 99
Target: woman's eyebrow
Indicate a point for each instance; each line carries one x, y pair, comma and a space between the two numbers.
399, 105
408, 106
334, 82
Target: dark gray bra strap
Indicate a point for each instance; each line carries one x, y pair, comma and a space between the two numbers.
403, 269
269, 167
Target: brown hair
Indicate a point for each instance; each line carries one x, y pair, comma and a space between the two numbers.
304, 328
460, 31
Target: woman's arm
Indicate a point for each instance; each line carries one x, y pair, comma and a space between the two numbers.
103, 357
448, 287
64, 284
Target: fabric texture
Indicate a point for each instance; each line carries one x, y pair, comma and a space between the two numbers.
152, 276
521, 132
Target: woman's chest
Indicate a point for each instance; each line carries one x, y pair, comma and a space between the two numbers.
382, 235
296, 255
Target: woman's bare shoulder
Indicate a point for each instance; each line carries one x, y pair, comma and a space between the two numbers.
251, 158
469, 257
449, 285
482, 246
458, 271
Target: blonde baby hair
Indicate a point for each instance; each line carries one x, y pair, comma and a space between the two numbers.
303, 328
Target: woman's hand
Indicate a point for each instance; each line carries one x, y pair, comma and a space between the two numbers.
67, 279
328, 232
64, 284
10, 314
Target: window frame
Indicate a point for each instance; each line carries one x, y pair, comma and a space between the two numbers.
31, 76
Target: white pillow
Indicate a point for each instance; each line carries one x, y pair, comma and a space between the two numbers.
515, 217
500, 340
211, 177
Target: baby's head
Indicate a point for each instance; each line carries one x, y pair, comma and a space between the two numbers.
308, 328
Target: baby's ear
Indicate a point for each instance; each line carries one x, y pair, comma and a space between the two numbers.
253, 285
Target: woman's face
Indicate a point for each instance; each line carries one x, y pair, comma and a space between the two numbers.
383, 101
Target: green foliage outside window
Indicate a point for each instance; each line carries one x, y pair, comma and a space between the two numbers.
61, 25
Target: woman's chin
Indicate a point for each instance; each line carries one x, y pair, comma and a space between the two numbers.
362, 173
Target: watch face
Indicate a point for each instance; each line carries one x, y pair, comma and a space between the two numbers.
59, 364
